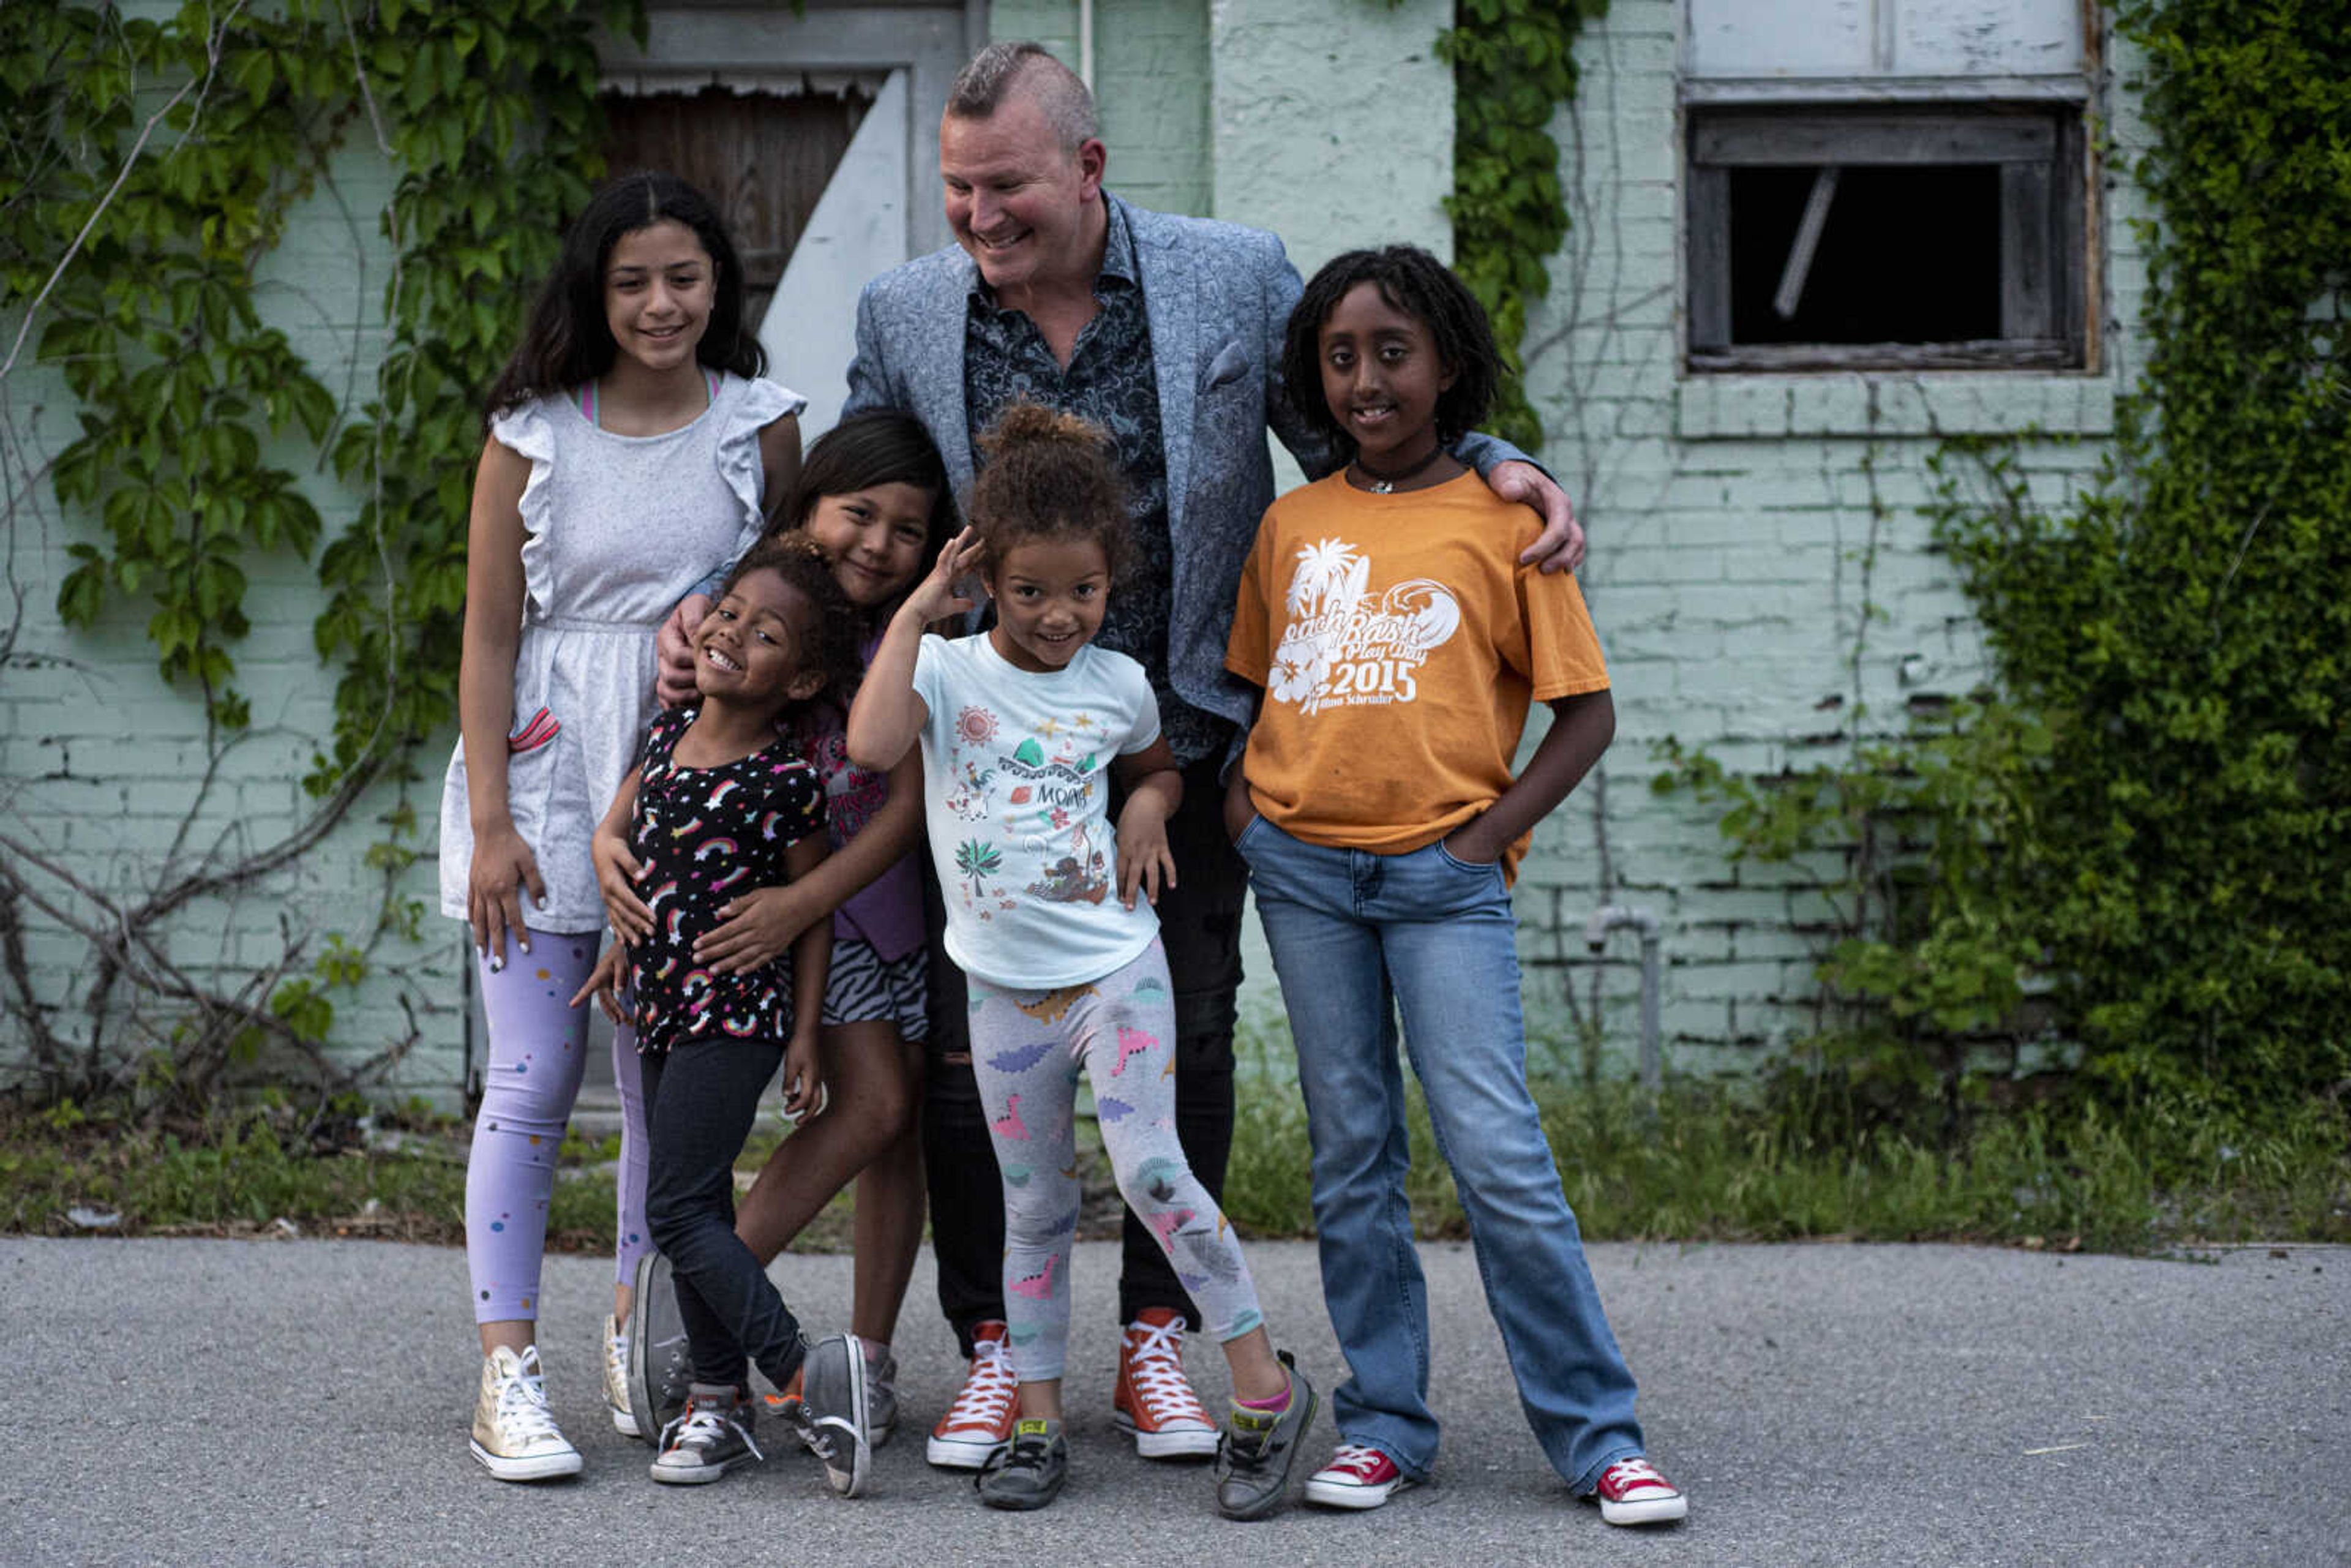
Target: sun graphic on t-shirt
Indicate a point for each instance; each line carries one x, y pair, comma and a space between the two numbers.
976, 726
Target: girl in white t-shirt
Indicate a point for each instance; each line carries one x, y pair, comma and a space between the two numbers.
1020, 729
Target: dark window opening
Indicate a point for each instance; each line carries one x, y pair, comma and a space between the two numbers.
1943, 237
1903, 255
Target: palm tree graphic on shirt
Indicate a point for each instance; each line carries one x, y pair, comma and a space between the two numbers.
977, 860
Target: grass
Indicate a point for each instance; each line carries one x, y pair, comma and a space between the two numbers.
1720, 1162
1701, 1162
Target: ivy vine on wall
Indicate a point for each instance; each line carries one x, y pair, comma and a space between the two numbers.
2139, 846
2185, 628
152, 166
1513, 69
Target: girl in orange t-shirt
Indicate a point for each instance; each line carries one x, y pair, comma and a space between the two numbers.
1399, 644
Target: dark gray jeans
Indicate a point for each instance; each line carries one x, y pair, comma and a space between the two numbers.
700, 1100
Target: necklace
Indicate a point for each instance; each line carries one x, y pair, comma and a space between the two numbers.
1386, 484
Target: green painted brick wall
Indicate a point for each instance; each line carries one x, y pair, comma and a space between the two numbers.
1735, 567
1749, 599
100, 760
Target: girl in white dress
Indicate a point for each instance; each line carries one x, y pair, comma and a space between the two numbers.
633, 448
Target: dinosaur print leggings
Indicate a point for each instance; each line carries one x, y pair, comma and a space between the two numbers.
1028, 1049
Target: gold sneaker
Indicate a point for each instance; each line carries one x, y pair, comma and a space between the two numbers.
514, 1435
616, 1377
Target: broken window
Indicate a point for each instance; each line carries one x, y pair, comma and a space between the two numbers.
1901, 236
1892, 183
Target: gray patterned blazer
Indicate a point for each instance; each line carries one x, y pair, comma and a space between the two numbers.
1217, 296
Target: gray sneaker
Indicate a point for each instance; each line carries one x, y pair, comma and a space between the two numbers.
712, 1437
1253, 1463
1029, 1473
660, 1368
833, 1419
881, 1398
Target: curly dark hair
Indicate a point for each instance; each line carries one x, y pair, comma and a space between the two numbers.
570, 342
829, 643
1417, 283
1050, 476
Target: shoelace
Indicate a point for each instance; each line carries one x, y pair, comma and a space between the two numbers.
987, 1395
522, 1414
1155, 1363
1356, 1460
1627, 1474
616, 1356
706, 1424
1023, 1453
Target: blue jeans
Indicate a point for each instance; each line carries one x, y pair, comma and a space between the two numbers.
1353, 934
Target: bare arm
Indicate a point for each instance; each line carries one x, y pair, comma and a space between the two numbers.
761, 923
503, 863
812, 959
780, 465
780, 461
888, 716
618, 869
1581, 728
1155, 788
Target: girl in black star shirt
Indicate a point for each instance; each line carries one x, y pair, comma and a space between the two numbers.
720, 804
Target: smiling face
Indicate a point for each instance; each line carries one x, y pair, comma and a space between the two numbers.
1027, 209
748, 649
1050, 598
875, 539
659, 286
1382, 376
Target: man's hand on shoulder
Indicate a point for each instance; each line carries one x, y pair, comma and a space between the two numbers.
1560, 547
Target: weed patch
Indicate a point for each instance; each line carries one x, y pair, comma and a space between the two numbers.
1753, 1162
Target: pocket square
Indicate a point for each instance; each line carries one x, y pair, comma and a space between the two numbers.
1231, 364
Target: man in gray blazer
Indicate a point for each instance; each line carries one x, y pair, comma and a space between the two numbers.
1167, 332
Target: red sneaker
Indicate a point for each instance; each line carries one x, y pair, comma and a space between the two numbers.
1154, 1400
978, 1424
1630, 1491
1356, 1477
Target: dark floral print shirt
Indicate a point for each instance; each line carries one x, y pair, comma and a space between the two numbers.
1111, 381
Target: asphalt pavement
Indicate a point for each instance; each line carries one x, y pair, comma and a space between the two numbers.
307, 1402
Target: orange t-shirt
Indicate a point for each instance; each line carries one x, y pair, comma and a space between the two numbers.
1400, 644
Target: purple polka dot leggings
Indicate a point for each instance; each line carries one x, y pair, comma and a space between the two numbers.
1027, 1049
538, 1052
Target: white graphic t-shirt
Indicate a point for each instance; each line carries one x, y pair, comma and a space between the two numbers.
1016, 795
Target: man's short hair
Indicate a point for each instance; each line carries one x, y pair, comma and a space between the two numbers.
1023, 67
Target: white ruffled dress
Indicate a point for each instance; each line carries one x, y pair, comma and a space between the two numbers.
618, 527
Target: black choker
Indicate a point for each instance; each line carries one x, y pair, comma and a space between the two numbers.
1386, 484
